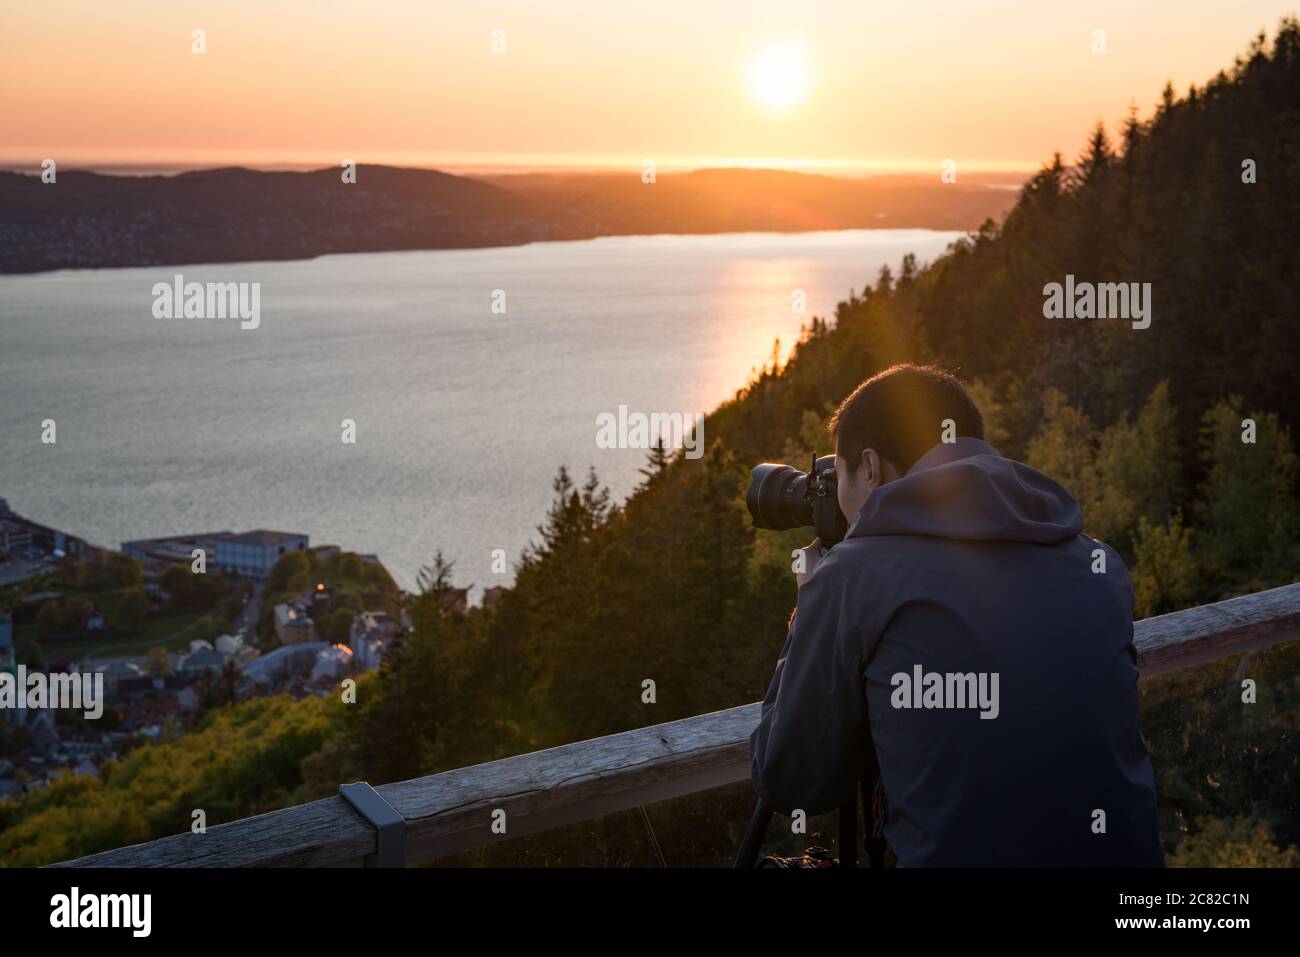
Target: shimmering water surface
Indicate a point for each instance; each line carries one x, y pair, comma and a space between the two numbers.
462, 416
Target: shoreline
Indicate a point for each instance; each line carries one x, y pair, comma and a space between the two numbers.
178, 264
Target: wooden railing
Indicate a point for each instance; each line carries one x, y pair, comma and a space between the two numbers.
453, 811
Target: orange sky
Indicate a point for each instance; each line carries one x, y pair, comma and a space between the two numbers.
992, 85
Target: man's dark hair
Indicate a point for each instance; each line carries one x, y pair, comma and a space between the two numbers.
900, 412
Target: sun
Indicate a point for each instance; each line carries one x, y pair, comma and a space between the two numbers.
778, 78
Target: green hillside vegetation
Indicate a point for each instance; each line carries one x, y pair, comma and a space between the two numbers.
112, 584
243, 760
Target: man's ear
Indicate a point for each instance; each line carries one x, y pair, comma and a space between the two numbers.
879, 471
871, 462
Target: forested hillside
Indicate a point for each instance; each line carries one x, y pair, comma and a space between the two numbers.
1145, 427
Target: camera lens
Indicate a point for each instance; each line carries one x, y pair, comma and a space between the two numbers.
777, 497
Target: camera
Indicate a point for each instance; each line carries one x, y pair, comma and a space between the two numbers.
781, 497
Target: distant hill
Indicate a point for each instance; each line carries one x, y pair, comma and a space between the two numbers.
745, 200
223, 215
91, 220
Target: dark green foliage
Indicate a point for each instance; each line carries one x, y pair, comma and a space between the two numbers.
674, 587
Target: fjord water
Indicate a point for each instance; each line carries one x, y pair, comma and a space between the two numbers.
172, 426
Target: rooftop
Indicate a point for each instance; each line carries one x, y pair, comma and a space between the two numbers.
258, 536
263, 536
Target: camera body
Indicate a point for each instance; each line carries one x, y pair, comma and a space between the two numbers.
782, 497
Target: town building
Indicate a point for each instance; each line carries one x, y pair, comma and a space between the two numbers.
247, 554
37, 722
229, 645
254, 554
275, 667
292, 623
7, 640
23, 538
371, 635
332, 663
203, 659
116, 671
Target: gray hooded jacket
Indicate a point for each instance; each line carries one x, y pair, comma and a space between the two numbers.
965, 627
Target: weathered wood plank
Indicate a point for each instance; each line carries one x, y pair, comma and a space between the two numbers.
323, 833
1184, 639
452, 811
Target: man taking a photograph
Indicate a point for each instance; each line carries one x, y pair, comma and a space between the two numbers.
969, 630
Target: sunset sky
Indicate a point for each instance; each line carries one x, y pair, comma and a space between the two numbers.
839, 86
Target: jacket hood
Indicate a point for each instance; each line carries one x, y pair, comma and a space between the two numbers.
966, 490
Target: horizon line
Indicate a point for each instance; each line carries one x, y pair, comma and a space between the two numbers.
486, 164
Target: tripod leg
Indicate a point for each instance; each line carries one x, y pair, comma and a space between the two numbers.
754, 835
875, 845
849, 834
